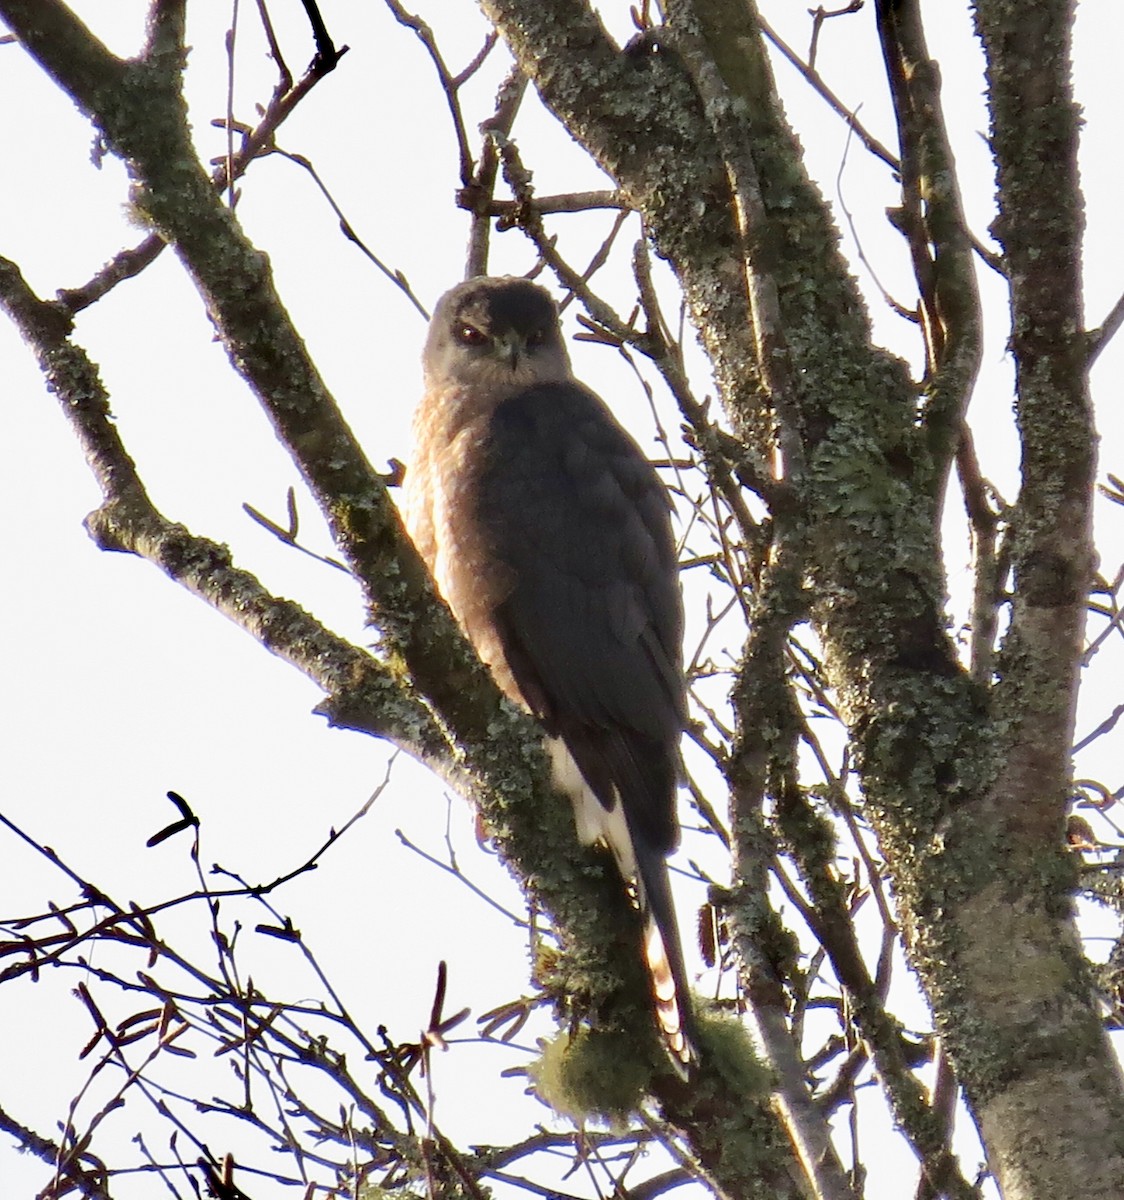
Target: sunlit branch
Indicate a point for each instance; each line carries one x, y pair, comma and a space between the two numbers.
932, 220
772, 354
568, 202
988, 577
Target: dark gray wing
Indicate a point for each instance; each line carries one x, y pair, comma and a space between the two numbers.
592, 627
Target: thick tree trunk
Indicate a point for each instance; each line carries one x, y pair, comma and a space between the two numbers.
965, 781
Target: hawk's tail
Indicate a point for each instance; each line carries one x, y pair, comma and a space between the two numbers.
645, 866
664, 957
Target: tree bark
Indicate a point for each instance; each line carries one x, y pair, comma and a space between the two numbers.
965, 783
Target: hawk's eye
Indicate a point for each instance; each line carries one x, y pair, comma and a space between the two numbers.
469, 335
536, 338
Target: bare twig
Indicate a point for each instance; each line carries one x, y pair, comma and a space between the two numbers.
450, 83
396, 276
131, 262
1100, 337
821, 14
478, 196
813, 77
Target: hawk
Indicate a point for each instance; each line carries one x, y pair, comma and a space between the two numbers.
548, 534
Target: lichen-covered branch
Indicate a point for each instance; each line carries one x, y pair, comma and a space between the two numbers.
762, 705
1047, 1093
360, 691
966, 794
963, 774
932, 220
138, 106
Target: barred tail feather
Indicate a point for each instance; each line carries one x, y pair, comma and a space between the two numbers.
670, 1013
663, 955
646, 870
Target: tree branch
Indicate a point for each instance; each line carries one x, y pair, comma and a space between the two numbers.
934, 224
1100, 337
362, 693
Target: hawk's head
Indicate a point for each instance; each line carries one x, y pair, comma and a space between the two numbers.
489, 332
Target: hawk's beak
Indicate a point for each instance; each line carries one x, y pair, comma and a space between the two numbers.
509, 347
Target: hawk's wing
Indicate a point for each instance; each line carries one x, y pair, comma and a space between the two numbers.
592, 626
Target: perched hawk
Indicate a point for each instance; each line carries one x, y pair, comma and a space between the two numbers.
549, 535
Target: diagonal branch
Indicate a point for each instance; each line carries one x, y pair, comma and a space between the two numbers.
933, 221
816, 81
362, 693
138, 107
286, 96
1100, 337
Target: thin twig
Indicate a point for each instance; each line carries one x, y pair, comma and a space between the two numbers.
1100, 337
396, 276
837, 106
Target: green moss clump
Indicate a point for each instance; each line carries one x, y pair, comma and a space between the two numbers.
591, 1075
725, 1044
